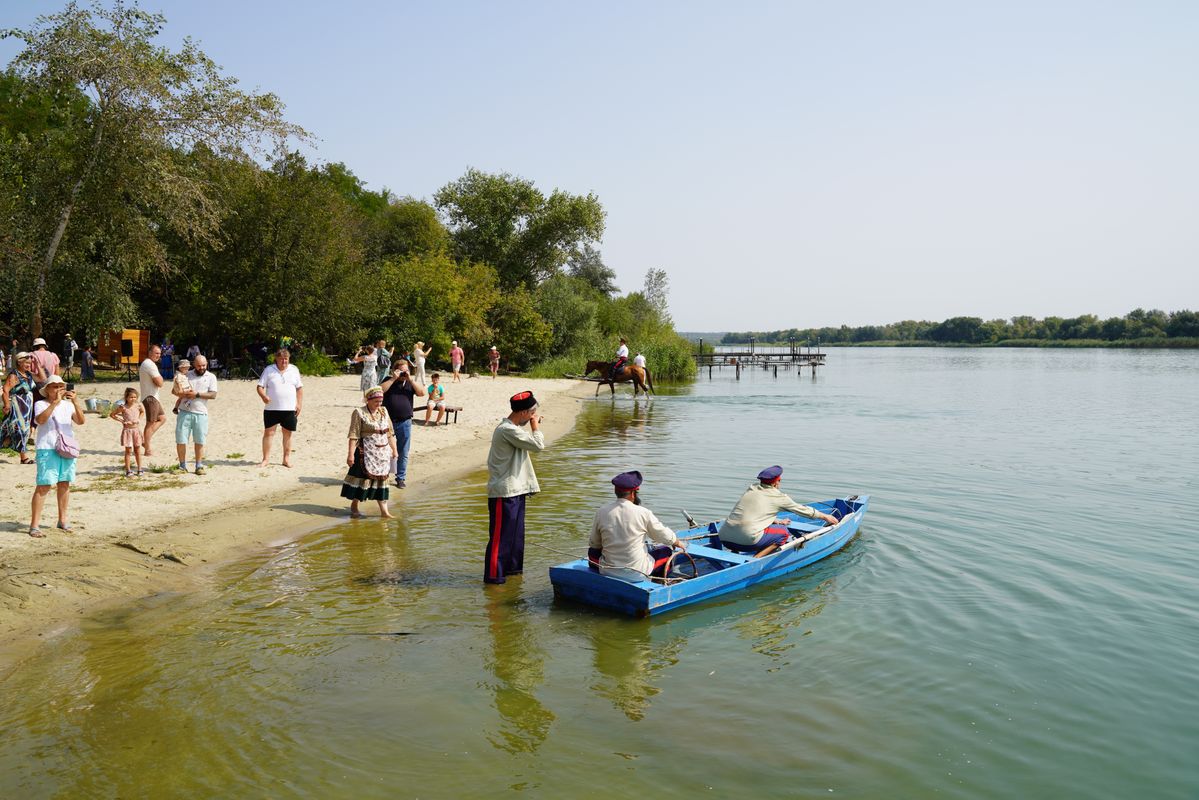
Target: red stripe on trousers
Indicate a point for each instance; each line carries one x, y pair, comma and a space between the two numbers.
493, 563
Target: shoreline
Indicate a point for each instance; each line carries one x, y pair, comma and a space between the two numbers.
48, 585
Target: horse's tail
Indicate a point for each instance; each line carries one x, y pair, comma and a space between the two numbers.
649, 379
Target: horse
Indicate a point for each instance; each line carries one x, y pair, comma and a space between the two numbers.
639, 376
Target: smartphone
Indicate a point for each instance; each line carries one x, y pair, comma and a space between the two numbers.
70, 387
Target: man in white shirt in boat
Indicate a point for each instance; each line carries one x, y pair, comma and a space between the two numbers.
750, 527
617, 545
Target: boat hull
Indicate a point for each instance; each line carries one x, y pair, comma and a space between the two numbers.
729, 572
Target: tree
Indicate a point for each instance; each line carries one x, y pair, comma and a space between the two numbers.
286, 261
959, 330
520, 332
506, 222
407, 227
569, 305
146, 106
657, 292
1183, 323
588, 265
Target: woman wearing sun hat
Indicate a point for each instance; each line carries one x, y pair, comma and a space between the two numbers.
55, 416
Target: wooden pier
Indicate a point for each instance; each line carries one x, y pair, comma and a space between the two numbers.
793, 355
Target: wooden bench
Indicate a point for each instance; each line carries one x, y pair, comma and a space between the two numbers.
448, 410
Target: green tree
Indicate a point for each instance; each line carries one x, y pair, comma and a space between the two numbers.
1183, 323
657, 292
521, 335
570, 306
146, 105
286, 260
505, 221
588, 265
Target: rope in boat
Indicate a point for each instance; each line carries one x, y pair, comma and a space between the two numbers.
668, 581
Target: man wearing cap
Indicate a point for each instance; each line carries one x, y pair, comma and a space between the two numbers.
457, 358
45, 362
750, 528
510, 480
617, 544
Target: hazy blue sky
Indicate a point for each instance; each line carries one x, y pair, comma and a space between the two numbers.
788, 164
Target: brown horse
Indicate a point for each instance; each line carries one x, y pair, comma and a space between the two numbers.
639, 376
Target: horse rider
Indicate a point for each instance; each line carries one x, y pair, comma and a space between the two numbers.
617, 546
750, 528
622, 356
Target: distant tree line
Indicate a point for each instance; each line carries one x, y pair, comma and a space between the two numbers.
1136, 328
140, 187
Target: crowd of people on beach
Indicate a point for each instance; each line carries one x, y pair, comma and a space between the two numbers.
41, 408
626, 539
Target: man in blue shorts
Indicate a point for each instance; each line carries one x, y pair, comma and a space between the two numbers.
193, 412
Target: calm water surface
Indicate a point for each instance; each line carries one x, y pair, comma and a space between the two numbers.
1018, 617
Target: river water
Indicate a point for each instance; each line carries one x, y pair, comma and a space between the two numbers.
1018, 616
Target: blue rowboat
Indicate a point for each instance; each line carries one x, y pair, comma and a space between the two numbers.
711, 570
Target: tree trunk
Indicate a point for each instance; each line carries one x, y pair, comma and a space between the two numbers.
39, 288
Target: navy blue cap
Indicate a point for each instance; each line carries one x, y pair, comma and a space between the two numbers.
770, 473
627, 481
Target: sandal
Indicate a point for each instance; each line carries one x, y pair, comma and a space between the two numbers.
36, 533
27, 460
65, 526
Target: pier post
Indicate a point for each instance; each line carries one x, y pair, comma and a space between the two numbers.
738, 369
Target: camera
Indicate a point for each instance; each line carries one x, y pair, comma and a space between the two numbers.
70, 387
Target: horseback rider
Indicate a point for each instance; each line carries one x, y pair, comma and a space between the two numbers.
622, 356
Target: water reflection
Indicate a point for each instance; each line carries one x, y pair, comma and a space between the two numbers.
630, 663
518, 664
769, 629
619, 419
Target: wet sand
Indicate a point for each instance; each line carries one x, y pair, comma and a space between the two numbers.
135, 537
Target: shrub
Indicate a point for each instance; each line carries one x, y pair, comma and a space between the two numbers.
313, 362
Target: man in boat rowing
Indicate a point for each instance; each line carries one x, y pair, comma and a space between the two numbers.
510, 480
750, 527
618, 535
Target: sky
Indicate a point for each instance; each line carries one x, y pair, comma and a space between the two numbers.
789, 164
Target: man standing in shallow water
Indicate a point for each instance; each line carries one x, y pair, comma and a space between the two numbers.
511, 480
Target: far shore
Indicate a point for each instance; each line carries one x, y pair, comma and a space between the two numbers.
165, 531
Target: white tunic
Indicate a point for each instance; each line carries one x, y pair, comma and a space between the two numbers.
620, 529
756, 509
622, 351
509, 466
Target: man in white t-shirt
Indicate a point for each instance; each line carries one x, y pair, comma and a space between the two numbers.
149, 381
639, 361
193, 412
281, 388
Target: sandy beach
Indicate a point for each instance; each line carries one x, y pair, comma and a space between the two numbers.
165, 531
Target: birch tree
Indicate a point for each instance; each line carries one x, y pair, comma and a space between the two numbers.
147, 107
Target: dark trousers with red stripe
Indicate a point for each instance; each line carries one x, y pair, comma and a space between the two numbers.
505, 553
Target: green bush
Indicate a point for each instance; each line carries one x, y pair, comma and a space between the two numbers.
314, 362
